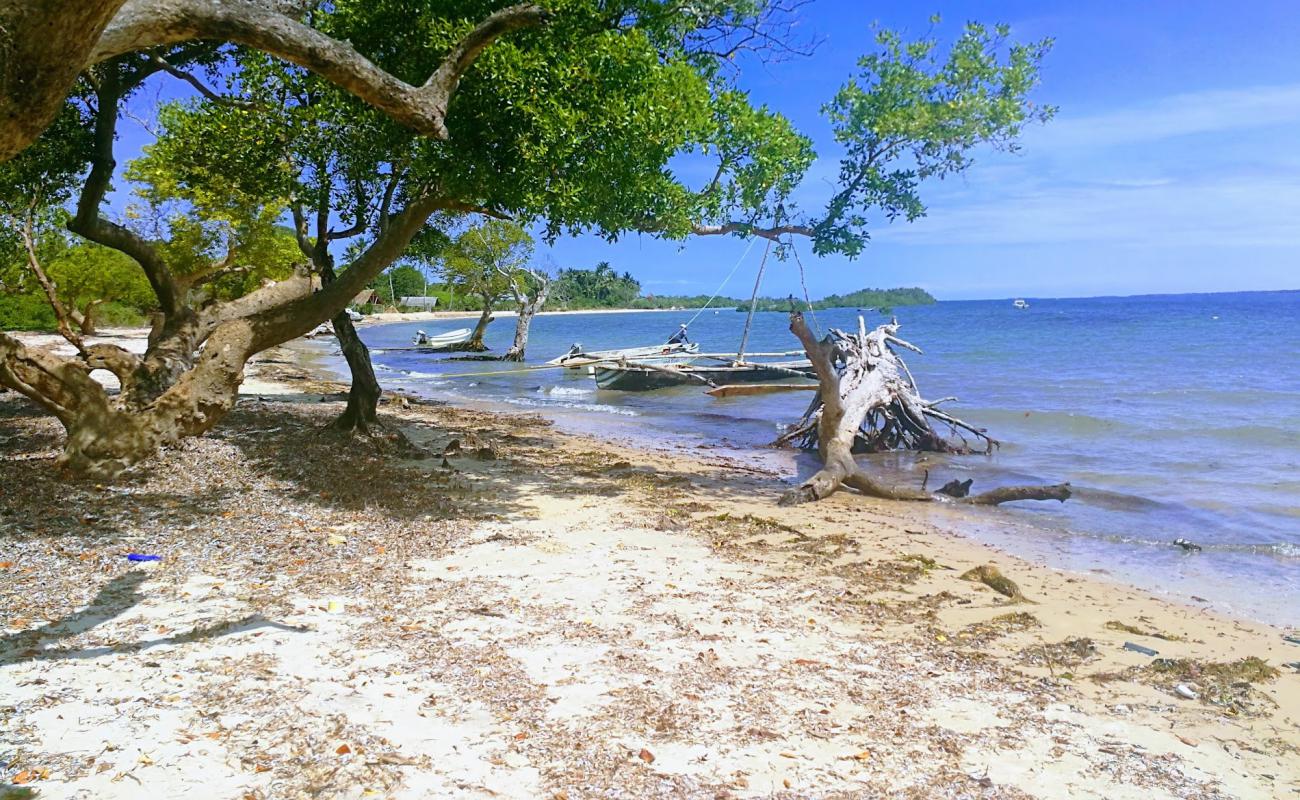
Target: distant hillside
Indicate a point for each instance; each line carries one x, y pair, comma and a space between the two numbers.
864, 298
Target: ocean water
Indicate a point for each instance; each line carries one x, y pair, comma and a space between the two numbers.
1172, 416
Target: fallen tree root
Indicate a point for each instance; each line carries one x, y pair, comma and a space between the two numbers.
821, 485
868, 400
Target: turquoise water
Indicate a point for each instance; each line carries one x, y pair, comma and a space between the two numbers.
1173, 416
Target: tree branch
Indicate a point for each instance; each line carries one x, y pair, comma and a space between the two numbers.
61, 315
87, 221
220, 99
265, 26
285, 321
773, 233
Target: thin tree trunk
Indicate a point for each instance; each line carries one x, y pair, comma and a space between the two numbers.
475, 343
362, 412
528, 308
87, 320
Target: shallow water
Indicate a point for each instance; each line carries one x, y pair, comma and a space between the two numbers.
1173, 416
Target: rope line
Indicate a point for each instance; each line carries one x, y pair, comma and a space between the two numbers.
725, 280
803, 282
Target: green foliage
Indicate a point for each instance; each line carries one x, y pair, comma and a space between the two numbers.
882, 299
89, 278
487, 259
398, 282
25, 312
88, 273
601, 287
914, 113
46, 174
863, 298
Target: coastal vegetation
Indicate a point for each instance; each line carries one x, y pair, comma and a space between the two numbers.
563, 122
227, 573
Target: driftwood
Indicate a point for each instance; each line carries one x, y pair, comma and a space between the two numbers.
868, 402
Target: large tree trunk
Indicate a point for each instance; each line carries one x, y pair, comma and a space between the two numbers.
362, 413
103, 436
868, 400
529, 305
44, 45
106, 434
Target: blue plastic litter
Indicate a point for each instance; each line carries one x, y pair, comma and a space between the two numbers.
1137, 648
140, 557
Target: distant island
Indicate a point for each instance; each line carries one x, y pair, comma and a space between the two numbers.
603, 287
863, 298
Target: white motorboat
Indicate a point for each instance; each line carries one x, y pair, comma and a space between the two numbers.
441, 341
1020, 303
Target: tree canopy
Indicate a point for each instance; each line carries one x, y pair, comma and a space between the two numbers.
570, 126
601, 287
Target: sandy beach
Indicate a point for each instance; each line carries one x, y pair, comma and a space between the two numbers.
508, 611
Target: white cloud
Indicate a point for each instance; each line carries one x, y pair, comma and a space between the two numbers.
1236, 210
1187, 114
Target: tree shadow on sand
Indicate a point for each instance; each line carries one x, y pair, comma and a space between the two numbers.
475, 466
113, 600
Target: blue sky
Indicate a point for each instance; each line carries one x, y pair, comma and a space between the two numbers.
1173, 164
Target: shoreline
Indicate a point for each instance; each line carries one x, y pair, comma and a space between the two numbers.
395, 317
635, 601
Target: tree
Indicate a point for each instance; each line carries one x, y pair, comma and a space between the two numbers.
486, 261
530, 288
601, 287
570, 127
572, 124
48, 44
868, 398
88, 276
401, 281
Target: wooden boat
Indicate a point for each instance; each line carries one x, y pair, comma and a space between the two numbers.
641, 377
442, 340
577, 357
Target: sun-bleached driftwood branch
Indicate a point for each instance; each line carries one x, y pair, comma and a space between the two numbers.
868, 401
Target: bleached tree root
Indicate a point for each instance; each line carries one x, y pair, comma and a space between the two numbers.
868, 400
822, 485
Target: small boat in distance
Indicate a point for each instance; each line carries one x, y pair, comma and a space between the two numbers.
577, 357
1020, 303
441, 341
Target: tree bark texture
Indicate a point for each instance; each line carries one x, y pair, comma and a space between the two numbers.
45, 44
475, 343
108, 433
867, 393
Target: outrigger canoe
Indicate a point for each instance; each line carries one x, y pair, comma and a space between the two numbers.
577, 357
633, 377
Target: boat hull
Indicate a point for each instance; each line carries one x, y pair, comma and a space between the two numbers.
632, 378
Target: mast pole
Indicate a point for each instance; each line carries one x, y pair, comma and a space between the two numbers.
753, 304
